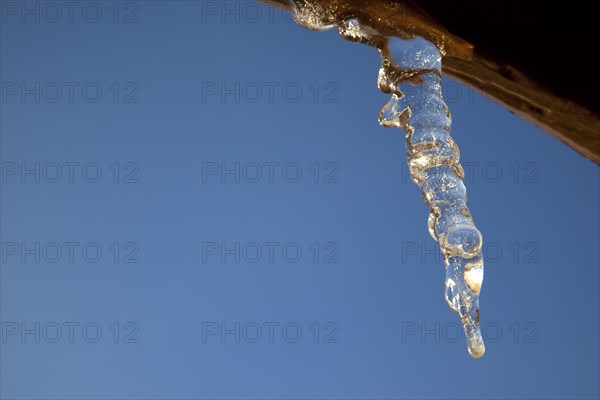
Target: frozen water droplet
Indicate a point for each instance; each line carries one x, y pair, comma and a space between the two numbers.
452, 295
463, 241
314, 15
474, 275
354, 31
416, 54
394, 113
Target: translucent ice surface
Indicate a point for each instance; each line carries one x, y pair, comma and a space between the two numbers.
411, 72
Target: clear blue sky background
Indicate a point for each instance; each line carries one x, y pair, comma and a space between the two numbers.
540, 220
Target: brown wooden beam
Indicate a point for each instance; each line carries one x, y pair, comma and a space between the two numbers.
565, 114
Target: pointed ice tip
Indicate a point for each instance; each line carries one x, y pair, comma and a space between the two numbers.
476, 349
477, 355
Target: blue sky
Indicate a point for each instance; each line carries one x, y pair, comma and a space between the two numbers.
217, 214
